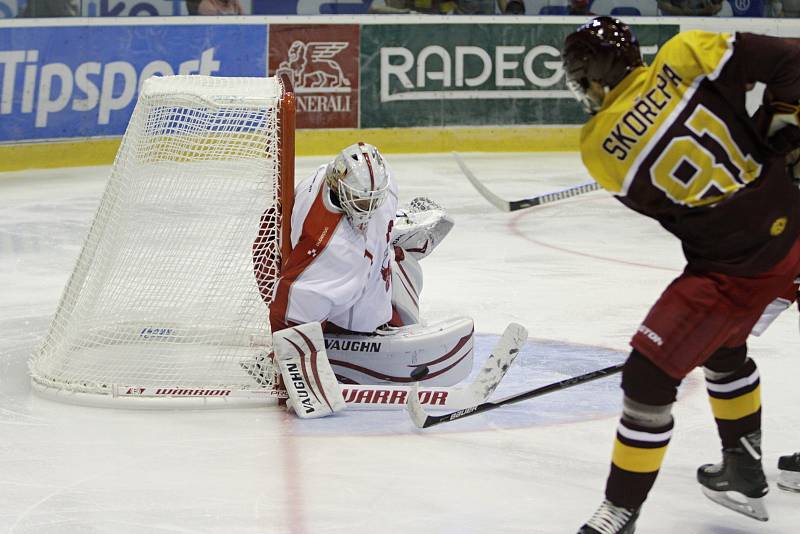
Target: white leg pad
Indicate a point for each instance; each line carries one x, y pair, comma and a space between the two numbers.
390, 354
406, 288
307, 374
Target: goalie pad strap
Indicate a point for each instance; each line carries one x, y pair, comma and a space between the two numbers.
307, 374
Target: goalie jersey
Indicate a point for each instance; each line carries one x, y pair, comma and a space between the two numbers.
674, 141
333, 272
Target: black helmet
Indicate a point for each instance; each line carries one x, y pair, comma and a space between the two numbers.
603, 50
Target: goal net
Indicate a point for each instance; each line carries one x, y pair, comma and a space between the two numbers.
166, 298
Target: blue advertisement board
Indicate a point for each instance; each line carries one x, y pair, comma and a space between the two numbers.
77, 81
137, 8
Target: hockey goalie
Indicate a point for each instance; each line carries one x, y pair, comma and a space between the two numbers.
346, 305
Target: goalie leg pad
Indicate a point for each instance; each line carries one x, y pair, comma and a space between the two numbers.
389, 355
307, 374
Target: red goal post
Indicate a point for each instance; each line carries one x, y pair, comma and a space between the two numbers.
287, 122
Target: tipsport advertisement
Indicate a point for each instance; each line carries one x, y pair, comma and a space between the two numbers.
61, 82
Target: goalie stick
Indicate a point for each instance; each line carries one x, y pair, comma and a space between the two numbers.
514, 205
424, 420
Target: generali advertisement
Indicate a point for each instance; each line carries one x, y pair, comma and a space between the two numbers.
322, 63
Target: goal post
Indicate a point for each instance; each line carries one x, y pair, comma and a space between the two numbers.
169, 295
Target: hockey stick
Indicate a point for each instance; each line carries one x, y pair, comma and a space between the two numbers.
424, 420
514, 205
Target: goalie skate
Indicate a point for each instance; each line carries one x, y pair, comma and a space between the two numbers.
738, 482
789, 476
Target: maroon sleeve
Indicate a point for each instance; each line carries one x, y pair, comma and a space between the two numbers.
774, 61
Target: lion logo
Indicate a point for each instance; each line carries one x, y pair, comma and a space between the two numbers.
311, 65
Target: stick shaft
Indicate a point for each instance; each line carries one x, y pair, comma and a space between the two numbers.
523, 203
433, 420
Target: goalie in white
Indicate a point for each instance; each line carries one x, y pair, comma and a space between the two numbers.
353, 269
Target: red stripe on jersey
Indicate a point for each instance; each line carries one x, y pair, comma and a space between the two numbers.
318, 228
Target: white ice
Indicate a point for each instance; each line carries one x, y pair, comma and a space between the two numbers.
580, 274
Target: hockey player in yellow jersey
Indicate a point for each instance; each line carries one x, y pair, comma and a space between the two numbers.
673, 141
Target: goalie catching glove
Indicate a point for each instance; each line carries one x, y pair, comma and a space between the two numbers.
420, 226
307, 374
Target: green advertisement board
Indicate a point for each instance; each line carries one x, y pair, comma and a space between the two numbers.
472, 75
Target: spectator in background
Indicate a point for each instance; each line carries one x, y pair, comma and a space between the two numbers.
430, 7
580, 7
50, 8
511, 7
218, 7
699, 8
782, 8
440, 7
627, 8
476, 7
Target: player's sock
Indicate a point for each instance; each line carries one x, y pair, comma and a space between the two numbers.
638, 453
735, 397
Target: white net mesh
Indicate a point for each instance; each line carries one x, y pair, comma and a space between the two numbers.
165, 293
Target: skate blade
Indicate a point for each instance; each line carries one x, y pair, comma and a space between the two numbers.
789, 481
733, 500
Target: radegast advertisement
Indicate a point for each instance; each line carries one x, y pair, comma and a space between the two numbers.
80, 81
468, 74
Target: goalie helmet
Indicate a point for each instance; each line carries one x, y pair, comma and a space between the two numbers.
359, 180
604, 50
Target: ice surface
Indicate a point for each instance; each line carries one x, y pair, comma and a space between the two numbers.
579, 274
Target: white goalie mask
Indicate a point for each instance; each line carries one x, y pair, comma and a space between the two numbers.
359, 180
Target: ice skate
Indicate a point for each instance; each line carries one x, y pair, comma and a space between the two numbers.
610, 519
738, 482
789, 475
